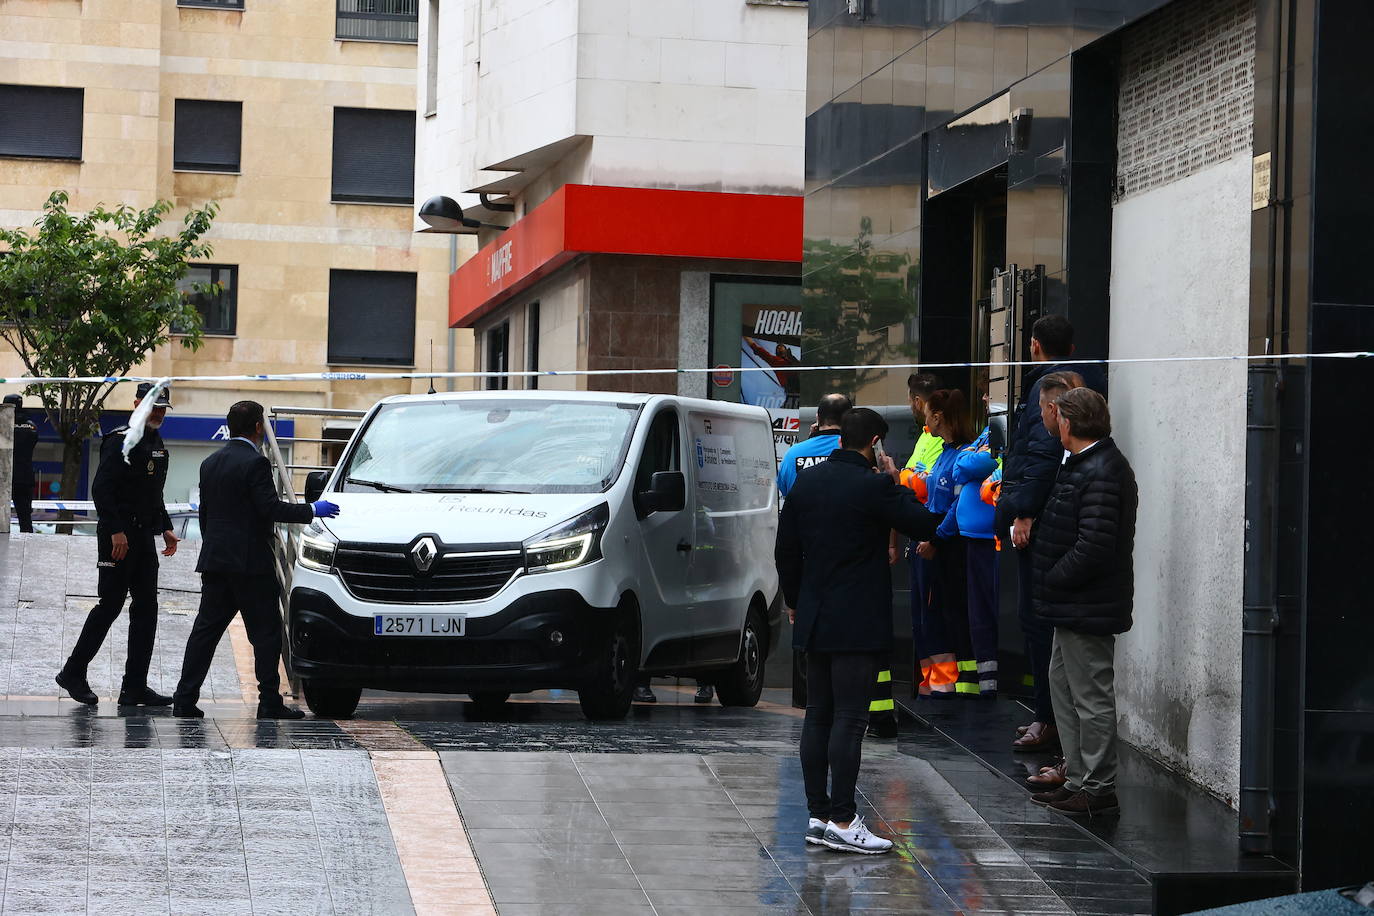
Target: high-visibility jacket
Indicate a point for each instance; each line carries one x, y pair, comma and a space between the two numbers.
928, 450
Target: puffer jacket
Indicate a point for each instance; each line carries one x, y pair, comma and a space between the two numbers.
1082, 574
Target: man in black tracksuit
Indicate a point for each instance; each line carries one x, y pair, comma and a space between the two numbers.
25, 438
1029, 465
1084, 586
832, 557
128, 501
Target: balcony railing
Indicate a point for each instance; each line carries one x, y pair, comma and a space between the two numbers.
378, 20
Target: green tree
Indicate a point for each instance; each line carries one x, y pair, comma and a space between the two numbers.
93, 295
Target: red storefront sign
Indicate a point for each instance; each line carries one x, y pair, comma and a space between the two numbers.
585, 219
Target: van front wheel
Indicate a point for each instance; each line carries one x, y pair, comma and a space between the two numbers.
607, 693
331, 702
742, 684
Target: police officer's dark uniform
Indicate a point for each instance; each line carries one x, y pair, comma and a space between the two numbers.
25, 438
128, 500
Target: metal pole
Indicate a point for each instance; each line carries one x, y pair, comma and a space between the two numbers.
6, 462
452, 334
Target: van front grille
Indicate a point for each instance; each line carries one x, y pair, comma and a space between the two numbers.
387, 574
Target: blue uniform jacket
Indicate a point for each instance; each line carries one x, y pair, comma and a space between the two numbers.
971, 517
806, 453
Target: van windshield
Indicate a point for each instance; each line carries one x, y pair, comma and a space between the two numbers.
491, 446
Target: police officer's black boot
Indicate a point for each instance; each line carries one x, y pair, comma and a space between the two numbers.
76, 686
142, 696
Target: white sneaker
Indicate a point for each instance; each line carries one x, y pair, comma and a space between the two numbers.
815, 831
854, 838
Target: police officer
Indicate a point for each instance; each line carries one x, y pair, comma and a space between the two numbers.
25, 438
128, 500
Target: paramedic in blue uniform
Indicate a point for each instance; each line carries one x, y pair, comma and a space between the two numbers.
816, 449
128, 501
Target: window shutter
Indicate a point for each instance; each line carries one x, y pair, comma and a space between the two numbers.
207, 135
40, 121
372, 317
374, 155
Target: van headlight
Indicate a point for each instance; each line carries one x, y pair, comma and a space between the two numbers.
576, 542
317, 548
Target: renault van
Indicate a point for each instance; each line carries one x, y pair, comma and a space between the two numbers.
493, 543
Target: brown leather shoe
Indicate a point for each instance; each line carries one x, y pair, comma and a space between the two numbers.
1041, 736
1053, 796
1050, 777
1081, 804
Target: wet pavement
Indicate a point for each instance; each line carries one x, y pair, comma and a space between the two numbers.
421, 806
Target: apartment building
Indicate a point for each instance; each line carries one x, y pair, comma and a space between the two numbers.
298, 117
633, 171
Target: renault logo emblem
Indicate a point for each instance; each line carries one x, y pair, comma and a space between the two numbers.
423, 554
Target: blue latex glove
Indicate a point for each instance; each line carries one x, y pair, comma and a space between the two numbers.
325, 509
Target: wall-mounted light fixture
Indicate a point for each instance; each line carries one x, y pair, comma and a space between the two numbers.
444, 214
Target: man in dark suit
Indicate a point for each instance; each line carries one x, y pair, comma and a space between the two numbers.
833, 567
238, 506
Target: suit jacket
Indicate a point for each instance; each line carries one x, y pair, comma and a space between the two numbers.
832, 552
238, 506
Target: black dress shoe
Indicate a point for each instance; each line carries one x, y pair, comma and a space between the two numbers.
188, 711
278, 710
143, 696
77, 687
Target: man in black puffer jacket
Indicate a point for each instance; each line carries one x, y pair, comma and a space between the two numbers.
1083, 585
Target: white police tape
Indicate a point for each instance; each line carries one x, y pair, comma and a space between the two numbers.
696, 370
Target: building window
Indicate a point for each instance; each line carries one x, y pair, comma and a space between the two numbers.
218, 309
207, 135
213, 4
374, 156
432, 59
372, 317
498, 356
377, 20
532, 344
43, 122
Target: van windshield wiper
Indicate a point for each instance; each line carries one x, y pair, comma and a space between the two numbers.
472, 490
376, 485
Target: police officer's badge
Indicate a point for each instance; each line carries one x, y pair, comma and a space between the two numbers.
150, 467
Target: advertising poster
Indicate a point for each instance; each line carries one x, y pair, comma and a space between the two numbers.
771, 341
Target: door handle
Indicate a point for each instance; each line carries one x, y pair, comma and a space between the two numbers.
684, 547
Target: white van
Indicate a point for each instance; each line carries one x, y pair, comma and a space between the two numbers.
499, 542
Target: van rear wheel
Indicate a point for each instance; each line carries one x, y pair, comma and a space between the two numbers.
331, 702
742, 684
609, 690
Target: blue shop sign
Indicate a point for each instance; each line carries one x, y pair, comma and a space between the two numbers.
174, 428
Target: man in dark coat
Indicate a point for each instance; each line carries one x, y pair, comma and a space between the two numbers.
832, 557
238, 507
1029, 465
1084, 587
21, 480
128, 502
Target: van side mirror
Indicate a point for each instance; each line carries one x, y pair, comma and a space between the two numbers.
997, 433
667, 493
314, 485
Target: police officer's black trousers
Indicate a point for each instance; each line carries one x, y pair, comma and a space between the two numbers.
222, 595
135, 578
23, 506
